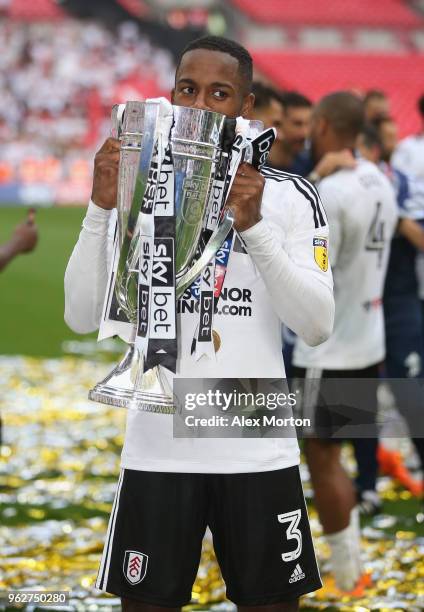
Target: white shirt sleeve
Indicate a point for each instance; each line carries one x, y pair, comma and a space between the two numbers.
300, 289
86, 274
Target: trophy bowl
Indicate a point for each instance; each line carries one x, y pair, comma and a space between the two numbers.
199, 143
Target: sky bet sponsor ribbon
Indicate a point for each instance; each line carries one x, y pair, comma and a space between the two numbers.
162, 346
251, 147
202, 341
156, 327
135, 127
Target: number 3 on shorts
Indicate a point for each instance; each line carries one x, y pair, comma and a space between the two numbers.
292, 533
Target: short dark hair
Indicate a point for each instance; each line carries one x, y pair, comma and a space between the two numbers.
344, 112
421, 105
370, 136
294, 99
374, 94
264, 94
224, 45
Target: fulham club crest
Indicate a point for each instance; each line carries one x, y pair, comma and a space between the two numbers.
135, 566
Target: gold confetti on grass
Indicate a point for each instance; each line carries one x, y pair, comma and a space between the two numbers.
58, 471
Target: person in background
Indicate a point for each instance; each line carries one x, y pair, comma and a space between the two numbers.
360, 202
376, 105
404, 317
405, 181
292, 123
23, 240
297, 110
408, 156
291, 154
269, 109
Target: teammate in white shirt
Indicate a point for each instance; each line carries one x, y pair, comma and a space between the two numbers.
408, 157
362, 214
247, 491
409, 154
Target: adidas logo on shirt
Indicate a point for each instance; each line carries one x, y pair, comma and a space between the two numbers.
297, 574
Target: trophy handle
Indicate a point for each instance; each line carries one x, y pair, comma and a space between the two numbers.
211, 249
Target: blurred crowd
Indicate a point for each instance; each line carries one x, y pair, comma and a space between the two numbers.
58, 82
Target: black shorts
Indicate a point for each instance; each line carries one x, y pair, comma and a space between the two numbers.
260, 530
348, 410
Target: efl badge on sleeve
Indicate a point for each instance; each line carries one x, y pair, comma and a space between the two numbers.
135, 566
321, 253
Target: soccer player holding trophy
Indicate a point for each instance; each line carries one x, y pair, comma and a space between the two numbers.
139, 272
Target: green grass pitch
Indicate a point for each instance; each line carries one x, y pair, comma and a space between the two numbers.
31, 287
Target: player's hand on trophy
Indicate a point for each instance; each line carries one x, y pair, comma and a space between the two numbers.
333, 161
246, 196
105, 179
25, 235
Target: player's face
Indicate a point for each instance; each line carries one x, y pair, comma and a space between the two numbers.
296, 127
389, 139
376, 108
210, 80
271, 116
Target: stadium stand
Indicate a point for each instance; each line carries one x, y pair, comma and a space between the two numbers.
59, 79
60, 75
49, 9
37, 9
316, 74
317, 47
332, 12
137, 8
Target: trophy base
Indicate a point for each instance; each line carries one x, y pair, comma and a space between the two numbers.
122, 398
127, 387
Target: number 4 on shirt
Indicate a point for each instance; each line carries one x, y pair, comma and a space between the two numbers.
375, 236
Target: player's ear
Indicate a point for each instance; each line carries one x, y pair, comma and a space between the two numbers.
322, 126
172, 95
248, 103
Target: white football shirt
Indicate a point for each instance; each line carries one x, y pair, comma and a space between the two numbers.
274, 278
362, 214
409, 156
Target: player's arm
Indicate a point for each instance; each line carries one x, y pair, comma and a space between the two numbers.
330, 163
413, 232
299, 287
23, 240
86, 275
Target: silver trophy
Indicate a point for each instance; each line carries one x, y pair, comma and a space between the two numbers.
196, 142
